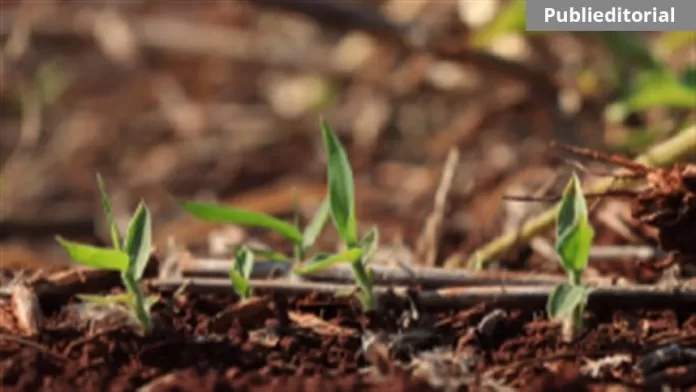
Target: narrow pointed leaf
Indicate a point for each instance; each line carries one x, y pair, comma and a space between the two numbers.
565, 298
341, 192
139, 241
573, 231
224, 214
106, 299
106, 201
92, 256
316, 225
323, 261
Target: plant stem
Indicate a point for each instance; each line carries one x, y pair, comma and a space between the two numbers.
138, 306
364, 281
660, 155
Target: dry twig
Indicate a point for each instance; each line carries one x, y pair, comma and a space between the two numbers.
660, 155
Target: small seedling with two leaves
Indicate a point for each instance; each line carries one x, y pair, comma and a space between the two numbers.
574, 236
128, 256
342, 208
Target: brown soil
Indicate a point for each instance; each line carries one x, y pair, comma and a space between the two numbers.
316, 345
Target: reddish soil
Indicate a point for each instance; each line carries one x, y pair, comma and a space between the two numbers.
315, 344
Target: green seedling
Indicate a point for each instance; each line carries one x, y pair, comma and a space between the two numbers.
302, 240
241, 272
574, 236
128, 256
342, 210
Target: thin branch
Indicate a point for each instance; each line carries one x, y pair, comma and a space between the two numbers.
517, 296
383, 275
660, 155
429, 239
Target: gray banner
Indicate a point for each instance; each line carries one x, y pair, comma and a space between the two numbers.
611, 15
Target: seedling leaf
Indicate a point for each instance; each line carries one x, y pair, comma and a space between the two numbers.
106, 201
139, 241
340, 182
92, 256
369, 244
323, 260
266, 255
224, 214
244, 262
316, 225
565, 298
106, 299
573, 231
241, 271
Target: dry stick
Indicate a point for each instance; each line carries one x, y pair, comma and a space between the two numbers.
33, 345
660, 155
643, 296
429, 240
383, 275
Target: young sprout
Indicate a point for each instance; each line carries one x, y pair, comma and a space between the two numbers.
574, 236
342, 210
128, 256
241, 272
302, 241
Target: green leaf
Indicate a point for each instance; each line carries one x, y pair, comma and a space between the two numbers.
512, 19
139, 241
224, 214
92, 256
341, 192
241, 285
661, 88
266, 255
565, 298
106, 299
244, 262
369, 244
573, 231
106, 201
322, 261
316, 225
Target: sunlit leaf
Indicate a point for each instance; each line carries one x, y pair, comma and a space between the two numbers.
341, 192
316, 225
565, 298
224, 214
573, 231
661, 88
106, 201
139, 241
106, 299
92, 256
323, 261
511, 19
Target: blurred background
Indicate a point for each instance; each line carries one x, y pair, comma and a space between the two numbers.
221, 101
